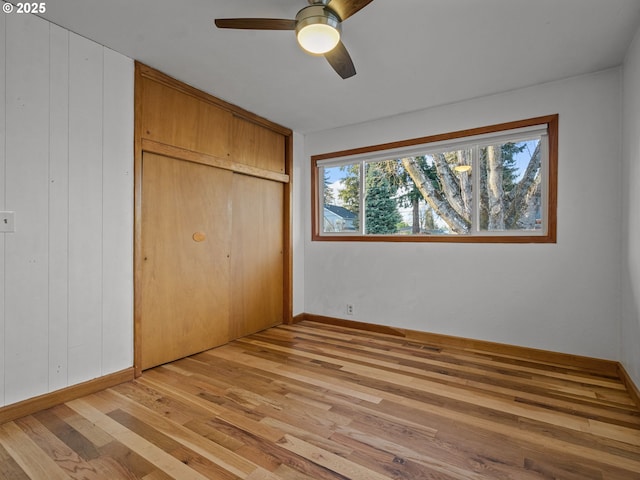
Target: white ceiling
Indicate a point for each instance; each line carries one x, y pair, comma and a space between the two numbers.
409, 54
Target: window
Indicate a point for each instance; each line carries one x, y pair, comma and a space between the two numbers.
490, 184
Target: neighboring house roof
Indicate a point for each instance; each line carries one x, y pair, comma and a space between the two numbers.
341, 212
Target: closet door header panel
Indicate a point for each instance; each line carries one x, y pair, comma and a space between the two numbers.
257, 146
175, 118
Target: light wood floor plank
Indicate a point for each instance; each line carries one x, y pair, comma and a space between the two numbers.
452, 368
323, 402
34, 461
75, 463
329, 460
362, 391
509, 405
229, 461
142, 447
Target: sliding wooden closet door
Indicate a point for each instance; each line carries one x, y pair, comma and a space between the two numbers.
212, 249
256, 255
185, 236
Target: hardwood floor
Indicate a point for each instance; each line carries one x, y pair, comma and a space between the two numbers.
313, 401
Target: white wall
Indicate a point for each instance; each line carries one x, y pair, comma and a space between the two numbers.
563, 297
66, 169
631, 221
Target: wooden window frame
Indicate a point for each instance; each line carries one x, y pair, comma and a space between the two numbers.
550, 236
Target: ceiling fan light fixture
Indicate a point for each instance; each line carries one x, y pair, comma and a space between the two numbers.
318, 38
462, 168
317, 29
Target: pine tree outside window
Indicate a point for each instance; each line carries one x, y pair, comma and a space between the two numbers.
490, 184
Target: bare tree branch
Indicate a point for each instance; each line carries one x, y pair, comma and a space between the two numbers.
449, 182
520, 198
494, 187
456, 222
465, 183
531, 202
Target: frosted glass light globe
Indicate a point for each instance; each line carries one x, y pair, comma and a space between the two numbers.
318, 38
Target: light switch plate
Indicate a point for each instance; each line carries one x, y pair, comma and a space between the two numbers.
7, 222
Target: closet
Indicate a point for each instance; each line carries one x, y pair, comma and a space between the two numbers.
212, 252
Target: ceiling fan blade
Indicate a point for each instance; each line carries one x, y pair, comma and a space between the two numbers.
256, 23
346, 8
340, 60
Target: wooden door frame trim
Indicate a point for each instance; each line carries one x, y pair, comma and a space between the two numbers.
140, 144
137, 218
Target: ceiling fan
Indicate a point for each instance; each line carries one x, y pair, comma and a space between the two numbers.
317, 28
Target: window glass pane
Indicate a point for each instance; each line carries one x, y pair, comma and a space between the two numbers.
383, 183
341, 198
452, 198
419, 195
408, 210
510, 186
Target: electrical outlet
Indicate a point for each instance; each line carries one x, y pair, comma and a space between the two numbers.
7, 222
349, 309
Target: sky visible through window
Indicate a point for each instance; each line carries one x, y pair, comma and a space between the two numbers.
335, 174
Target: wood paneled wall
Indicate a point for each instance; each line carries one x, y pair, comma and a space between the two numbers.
66, 169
